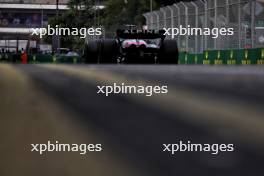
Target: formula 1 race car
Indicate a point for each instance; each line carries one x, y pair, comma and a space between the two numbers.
133, 46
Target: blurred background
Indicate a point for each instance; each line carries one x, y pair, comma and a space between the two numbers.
245, 16
205, 104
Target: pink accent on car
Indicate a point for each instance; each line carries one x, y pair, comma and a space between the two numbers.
137, 43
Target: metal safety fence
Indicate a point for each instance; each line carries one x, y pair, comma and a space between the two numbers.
244, 17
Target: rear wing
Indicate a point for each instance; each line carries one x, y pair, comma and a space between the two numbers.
140, 34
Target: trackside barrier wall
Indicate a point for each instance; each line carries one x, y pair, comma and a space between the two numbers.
212, 57
67, 59
5, 57
40, 58
224, 57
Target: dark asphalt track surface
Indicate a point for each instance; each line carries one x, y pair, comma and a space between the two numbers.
205, 104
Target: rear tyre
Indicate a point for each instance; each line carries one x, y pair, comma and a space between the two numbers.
108, 51
91, 52
169, 53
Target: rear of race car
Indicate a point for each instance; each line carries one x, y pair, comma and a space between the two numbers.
133, 46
